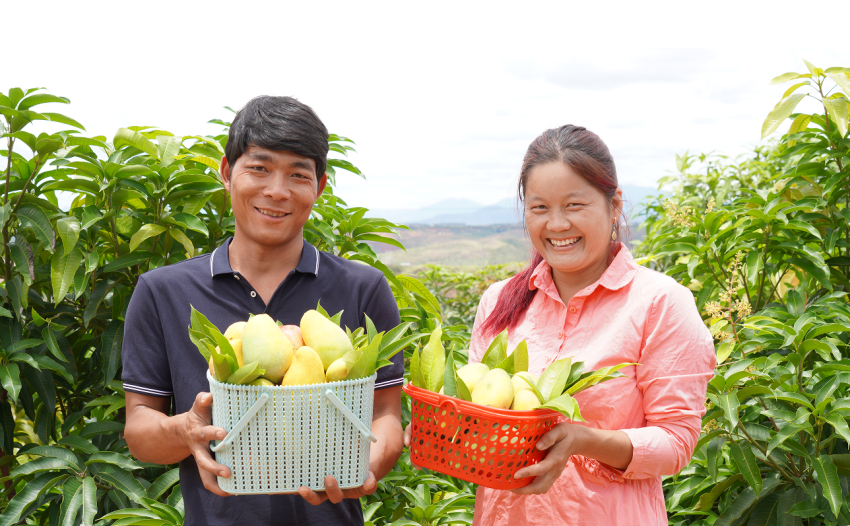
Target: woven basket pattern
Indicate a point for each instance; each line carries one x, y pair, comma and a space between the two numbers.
475, 443
296, 439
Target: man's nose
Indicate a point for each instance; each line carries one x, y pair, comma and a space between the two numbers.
277, 188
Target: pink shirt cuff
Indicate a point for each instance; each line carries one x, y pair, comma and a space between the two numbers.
656, 452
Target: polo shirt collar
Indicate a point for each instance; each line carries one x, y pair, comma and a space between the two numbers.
220, 260
619, 273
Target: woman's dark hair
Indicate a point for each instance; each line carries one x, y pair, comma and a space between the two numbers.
279, 123
585, 153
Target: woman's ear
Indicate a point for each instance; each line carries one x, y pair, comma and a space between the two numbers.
617, 203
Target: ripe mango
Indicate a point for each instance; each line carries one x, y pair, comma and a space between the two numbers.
263, 342
494, 389
521, 385
525, 400
234, 332
471, 374
265, 382
293, 332
306, 368
337, 371
325, 337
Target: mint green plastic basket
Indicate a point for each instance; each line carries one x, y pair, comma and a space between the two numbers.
281, 438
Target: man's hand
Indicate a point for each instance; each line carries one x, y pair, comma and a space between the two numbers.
407, 434
197, 433
334, 494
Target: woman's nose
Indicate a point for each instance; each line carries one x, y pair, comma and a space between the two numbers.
558, 221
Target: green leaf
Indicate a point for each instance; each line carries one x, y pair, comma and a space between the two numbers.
62, 270
192, 222
840, 425
784, 434
553, 380
415, 286
724, 350
125, 137
57, 452
23, 257
837, 109
183, 239
782, 111
432, 362
127, 260
450, 380
69, 232
39, 224
115, 459
729, 404
706, 500
63, 119
828, 479
77, 442
72, 499
745, 461
597, 377
364, 361
739, 507
246, 374
106, 427
89, 505
144, 233
161, 484
785, 77
124, 481
42, 464
497, 351
415, 371
10, 379
28, 494
567, 406
530, 380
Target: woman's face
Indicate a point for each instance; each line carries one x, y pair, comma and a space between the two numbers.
569, 221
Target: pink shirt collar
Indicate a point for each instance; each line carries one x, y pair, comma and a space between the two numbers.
619, 273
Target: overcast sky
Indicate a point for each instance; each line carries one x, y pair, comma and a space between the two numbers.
442, 98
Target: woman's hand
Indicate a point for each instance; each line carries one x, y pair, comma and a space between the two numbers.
564, 440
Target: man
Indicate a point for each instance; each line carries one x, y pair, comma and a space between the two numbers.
274, 168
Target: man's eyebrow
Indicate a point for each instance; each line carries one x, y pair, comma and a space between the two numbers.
302, 164
259, 156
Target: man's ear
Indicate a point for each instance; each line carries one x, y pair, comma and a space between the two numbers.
225, 173
323, 182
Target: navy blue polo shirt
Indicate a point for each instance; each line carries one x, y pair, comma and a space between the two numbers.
160, 360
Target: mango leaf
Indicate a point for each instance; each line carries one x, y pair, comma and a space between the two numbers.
837, 109
183, 239
596, 377
37, 221
782, 111
246, 374
69, 232
125, 137
415, 286
497, 351
745, 461
740, 506
432, 361
10, 379
567, 406
112, 341
115, 459
365, 360
553, 380
42, 464
161, 484
127, 260
28, 494
706, 500
144, 233
415, 372
221, 366
828, 479
124, 481
62, 270
840, 425
23, 257
729, 404
89, 504
450, 377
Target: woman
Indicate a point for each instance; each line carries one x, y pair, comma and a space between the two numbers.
584, 296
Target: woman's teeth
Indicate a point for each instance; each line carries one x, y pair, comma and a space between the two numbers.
271, 213
565, 242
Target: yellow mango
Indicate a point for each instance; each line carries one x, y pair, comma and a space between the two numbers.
325, 337
525, 400
234, 332
337, 371
520, 384
263, 342
471, 374
494, 389
265, 382
306, 368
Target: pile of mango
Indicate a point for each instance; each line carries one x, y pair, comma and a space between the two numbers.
262, 351
502, 379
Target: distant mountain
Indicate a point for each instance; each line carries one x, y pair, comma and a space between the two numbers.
466, 212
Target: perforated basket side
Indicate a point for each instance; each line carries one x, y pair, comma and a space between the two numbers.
297, 437
473, 442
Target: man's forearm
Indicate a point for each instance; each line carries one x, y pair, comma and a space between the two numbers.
386, 451
153, 437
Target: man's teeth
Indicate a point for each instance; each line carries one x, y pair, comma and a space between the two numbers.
564, 242
271, 213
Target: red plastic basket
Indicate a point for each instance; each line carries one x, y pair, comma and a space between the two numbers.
473, 442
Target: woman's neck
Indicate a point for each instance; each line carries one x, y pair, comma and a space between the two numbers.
570, 283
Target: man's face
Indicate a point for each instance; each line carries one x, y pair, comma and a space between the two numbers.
272, 194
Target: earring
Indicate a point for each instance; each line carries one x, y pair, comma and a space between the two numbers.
614, 233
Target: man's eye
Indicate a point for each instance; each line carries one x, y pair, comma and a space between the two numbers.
257, 168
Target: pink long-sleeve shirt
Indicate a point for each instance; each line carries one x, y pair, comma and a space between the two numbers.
631, 314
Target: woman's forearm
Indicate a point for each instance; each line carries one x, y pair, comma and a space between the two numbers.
610, 447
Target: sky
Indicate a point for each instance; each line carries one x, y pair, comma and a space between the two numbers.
441, 98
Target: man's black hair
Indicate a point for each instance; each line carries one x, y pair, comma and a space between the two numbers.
279, 123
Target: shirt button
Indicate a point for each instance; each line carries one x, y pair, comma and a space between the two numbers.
237, 277
560, 335
253, 294
572, 309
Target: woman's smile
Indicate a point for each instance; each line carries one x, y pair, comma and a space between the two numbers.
564, 243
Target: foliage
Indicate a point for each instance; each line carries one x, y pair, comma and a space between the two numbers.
764, 243
458, 292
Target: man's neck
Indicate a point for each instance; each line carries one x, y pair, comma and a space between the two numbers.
263, 266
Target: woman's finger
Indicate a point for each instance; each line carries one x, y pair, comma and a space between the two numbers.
407, 433
555, 435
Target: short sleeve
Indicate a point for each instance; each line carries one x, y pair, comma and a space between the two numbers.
382, 309
676, 363
144, 355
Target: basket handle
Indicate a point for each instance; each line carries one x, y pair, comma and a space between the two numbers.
365, 431
240, 425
